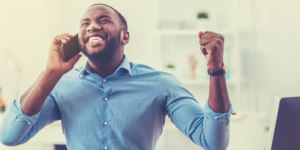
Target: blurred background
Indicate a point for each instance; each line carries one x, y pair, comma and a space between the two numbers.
261, 52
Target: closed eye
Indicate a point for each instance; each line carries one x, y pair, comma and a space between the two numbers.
104, 21
84, 24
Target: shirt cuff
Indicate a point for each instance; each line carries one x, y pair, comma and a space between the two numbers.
210, 113
16, 107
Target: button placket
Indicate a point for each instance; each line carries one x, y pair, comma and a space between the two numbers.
105, 122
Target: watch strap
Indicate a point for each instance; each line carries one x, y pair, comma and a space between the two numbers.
219, 72
215, 73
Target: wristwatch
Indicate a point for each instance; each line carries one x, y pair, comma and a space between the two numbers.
219, 72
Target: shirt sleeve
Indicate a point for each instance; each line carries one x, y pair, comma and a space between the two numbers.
17, 128
203, 126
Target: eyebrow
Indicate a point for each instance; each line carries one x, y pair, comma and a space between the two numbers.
103, 16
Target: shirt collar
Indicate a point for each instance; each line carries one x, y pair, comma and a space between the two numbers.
125, 65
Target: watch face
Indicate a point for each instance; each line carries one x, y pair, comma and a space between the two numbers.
210, 72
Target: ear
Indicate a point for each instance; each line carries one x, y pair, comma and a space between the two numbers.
124, 37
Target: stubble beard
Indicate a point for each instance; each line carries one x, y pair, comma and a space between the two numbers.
107, 53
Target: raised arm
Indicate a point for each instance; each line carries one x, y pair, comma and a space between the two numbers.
33, 99
208, 126
37, 107
212, 45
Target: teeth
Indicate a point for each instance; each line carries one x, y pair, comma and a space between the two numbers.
94, 38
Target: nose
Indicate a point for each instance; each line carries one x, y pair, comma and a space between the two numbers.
93, 27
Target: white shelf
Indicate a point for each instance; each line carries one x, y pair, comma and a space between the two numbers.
190, 82
195, 32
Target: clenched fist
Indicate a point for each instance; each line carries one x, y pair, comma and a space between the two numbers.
213, 51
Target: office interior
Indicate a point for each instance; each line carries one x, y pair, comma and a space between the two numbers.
261, 53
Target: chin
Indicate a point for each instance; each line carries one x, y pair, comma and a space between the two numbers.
95, 49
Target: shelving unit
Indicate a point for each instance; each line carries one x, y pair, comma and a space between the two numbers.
163, 37
190, 82
181, 32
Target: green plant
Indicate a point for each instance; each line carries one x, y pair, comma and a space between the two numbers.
170, 66
202, 15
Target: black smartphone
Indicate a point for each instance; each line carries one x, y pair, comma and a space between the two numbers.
71, 49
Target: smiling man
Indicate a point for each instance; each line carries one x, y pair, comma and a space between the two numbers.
111, 103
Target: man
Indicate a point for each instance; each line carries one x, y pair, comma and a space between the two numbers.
111, 103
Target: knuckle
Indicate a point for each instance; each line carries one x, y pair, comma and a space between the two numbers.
201, 42
222, 37
59, 37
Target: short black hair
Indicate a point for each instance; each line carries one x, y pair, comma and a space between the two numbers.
123, 20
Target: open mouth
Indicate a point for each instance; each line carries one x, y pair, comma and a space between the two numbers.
95, 39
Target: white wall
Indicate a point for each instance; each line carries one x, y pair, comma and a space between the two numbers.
273, 62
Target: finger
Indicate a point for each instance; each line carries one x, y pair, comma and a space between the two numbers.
57, 41
200, 33
206, 41
68, 35
63, 41
73, 61
209, 34
212, 47
203, 50
67, 38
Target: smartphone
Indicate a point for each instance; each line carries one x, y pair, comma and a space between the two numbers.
71, 49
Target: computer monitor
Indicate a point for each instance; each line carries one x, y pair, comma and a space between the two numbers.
284, 133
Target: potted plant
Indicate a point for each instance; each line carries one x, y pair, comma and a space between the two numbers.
170, 68
202, 20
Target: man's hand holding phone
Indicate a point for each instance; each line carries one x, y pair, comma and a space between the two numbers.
56, 65
33, 99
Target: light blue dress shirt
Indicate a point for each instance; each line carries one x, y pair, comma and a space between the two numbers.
124, 111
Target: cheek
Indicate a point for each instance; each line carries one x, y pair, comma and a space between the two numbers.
80, 37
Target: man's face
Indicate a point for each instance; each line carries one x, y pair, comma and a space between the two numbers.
99, 34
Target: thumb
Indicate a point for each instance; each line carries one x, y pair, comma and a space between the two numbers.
200, 33
73, 61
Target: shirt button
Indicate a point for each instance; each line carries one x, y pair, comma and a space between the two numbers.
105, 147
105, 99
105, 123
104, 80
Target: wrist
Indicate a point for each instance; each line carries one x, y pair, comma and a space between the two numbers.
217, 72
215, 67
52, 74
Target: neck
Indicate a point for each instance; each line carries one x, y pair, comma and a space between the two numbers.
106, 68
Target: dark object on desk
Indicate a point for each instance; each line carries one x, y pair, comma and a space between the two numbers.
60, 147
285, 124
